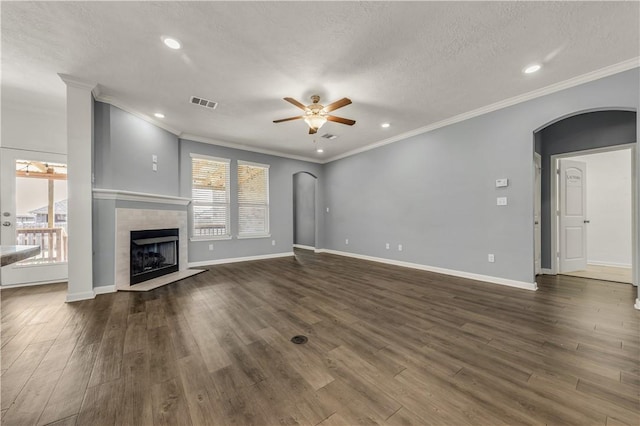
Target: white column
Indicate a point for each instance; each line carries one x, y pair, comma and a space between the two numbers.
79, 156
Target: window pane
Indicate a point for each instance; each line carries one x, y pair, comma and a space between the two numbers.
253, 219
253, 199
210, 196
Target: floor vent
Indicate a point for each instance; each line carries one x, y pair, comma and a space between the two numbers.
299, 340
205, 103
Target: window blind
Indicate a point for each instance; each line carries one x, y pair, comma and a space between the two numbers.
253, 199
210, 197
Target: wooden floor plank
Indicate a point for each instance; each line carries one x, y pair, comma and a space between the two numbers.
387, 345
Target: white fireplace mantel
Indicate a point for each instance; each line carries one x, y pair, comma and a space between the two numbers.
115, 194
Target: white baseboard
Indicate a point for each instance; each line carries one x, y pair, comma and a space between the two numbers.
300, 246
637, 305
487, 278
612, 264
30, 284
238, 259
85, 295
104, 289
545, 271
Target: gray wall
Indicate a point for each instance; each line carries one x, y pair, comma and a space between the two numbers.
304, 209
578, 133
435, 193
123, 149
281, 173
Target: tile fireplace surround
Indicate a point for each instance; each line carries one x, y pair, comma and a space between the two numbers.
128, 220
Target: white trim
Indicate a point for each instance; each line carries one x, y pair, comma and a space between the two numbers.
30, 284
212, 238
75, 297
546, 271
572, 82
70, 80
104, 289
469, 275
300, 246
250, 236
238, 259
210, 141
114, 102
210, 158
252, 164
637, 304
114, 194
612, 264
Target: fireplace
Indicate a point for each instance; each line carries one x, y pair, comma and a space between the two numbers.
154, 253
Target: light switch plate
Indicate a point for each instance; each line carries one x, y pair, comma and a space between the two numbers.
501, 183
501, 201
154, 158
155, 167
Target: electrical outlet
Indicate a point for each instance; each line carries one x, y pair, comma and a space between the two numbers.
491, 258
387, 246
346, 241
154, 158
327, 209
273, 242
501, 201
399, 247
210, 247
155, 167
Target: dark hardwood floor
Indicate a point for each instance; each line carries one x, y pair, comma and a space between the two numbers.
387, 345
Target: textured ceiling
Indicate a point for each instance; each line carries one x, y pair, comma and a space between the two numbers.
408, 63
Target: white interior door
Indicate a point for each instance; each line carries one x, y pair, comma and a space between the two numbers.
537, 236
33, 200
572, 216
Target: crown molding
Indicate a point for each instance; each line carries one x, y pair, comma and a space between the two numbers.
211, 141
72, 81
556, 87
114, 194
112, 101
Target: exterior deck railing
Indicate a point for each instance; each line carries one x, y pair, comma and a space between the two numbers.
52, 242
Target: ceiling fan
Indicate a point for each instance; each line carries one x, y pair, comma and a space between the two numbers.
315, 114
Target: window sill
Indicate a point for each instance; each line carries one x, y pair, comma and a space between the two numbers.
247, 237
222, 238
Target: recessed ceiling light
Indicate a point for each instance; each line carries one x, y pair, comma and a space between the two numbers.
172, 43
385, 125
532, 68
319, 150
159, 115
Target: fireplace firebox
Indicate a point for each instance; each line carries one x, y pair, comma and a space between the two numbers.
154, 253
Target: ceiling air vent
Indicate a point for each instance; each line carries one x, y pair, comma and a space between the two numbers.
205, 103
329, 136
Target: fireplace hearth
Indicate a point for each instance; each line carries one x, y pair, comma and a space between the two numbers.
154, 253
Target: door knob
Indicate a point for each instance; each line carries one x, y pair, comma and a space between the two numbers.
535, 223
587, 221
6, 214
6, 223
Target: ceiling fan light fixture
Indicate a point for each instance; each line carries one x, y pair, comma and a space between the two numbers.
315, 121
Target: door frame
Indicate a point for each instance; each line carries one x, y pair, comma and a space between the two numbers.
554, 204
537, 193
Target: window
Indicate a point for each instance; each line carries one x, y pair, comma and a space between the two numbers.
253, 199
210, 197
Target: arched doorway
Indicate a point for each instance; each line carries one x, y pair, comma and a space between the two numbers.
591, 134
304, 210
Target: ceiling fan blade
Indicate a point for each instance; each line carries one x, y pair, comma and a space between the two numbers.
337, 104
288, 119
346, 121
296, 103
312, 131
